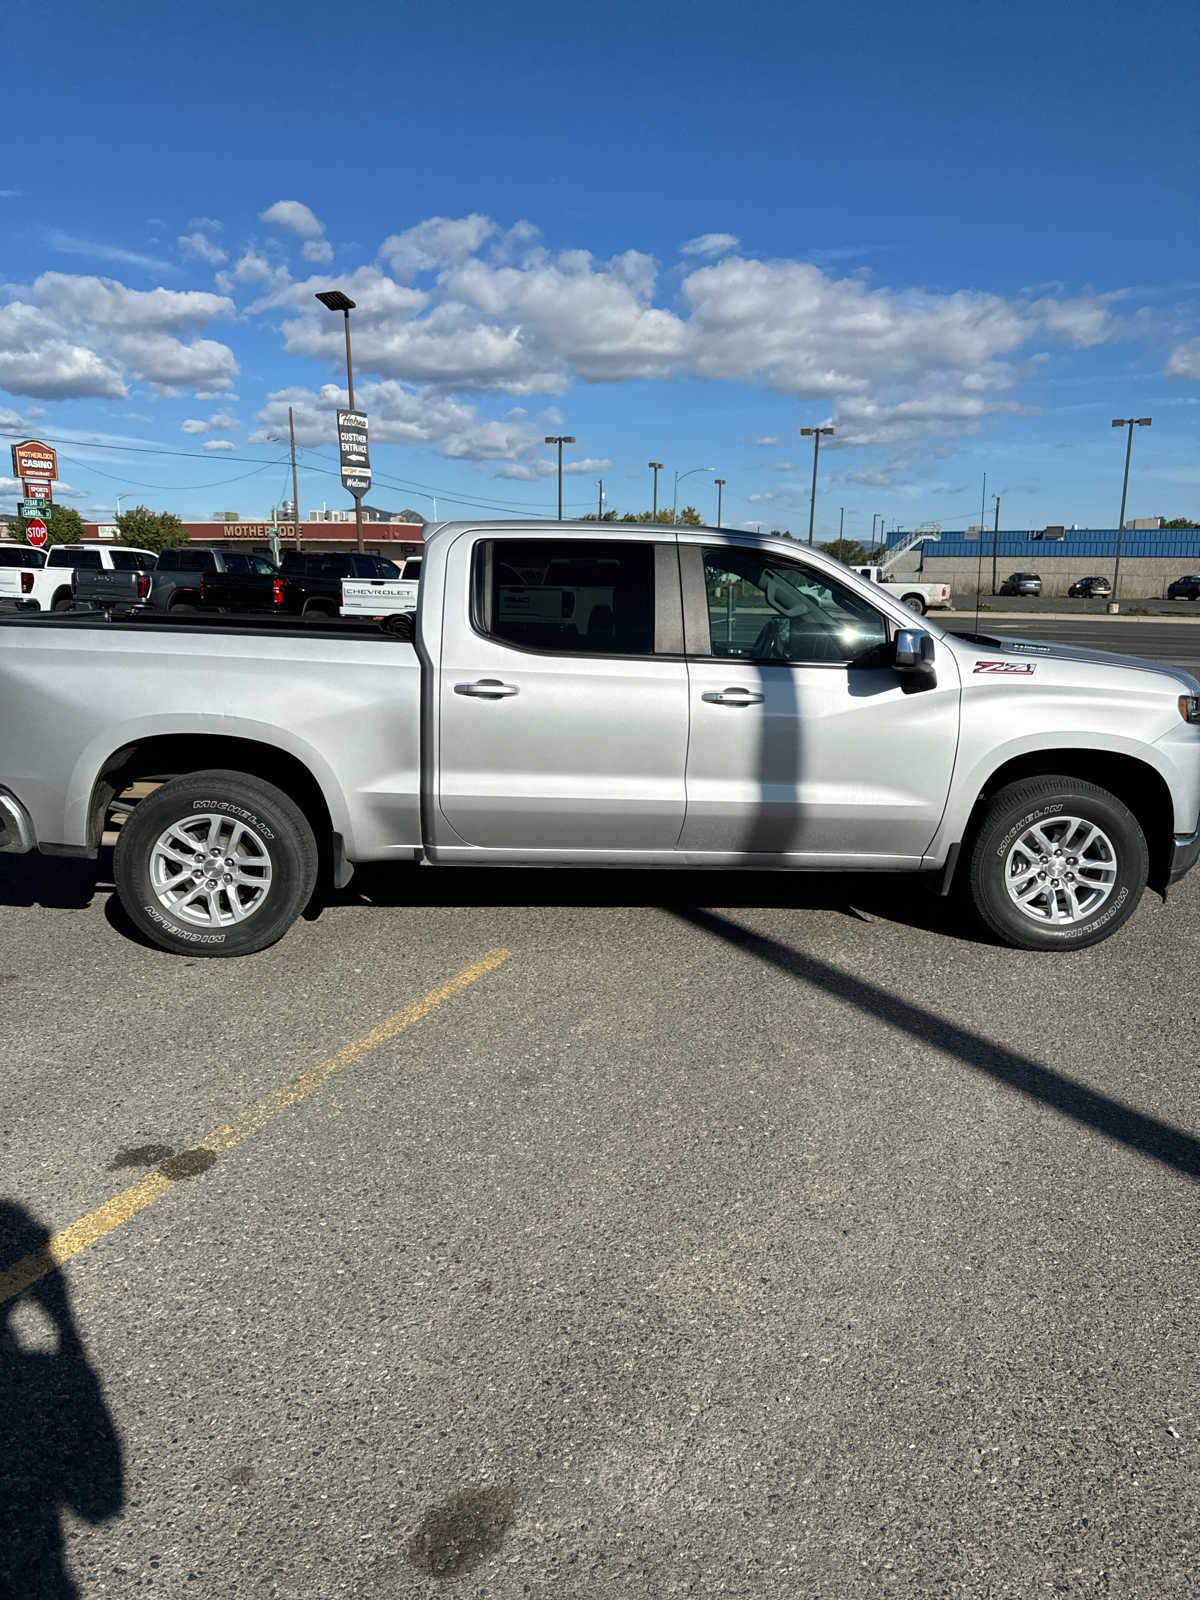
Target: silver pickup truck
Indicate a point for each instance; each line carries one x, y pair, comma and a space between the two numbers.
572, 696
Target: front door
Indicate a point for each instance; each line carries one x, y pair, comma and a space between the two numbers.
562, 696
803, 741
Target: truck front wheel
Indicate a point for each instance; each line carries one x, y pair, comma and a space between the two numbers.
215, 864
1057, 864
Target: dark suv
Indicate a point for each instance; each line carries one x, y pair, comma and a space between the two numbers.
1021, 583
1097, 588
1185, 588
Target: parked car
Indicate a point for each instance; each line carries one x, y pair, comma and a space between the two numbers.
1022, 583
308, 583
173, 585
49, 587
1097, 588
732, 701
1185, 588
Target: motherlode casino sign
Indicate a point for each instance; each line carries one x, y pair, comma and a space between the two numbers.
36, 465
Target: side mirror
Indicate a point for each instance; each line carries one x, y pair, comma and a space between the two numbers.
914, 658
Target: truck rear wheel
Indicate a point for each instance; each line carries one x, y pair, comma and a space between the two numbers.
1057, 864
914, 602
215, 864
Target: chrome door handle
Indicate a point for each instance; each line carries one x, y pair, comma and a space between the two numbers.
733, 697
487, 689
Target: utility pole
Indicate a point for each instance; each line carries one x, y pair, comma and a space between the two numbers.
295, 491
720, 488
841, 521
812, 504
600, 500
656, 468
1131, 423
995, 541
560, 439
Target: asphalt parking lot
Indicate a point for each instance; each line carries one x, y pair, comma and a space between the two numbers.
560, 1234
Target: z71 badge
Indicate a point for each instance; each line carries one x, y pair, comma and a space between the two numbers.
1022, 667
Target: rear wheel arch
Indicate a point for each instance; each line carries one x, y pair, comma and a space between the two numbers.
174, 755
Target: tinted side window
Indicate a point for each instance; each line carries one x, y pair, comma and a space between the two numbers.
589, 596
412, 567
16, 556
64, 557
132, 561
764, 608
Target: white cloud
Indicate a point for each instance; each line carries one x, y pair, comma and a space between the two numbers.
295, 216
783, 466
199, 246
768, 439
872, 477
70, 244
435, 243
204, 224
107, 303
764, 496
1184, 360
219, 444
533, 471
709, 245
220, 420
317, 250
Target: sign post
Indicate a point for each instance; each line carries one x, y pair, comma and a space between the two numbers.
356, 460
36, 532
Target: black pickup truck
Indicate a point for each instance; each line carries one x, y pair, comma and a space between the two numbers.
308, 584
173, 585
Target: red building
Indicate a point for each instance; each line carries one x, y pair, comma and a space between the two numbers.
384, 538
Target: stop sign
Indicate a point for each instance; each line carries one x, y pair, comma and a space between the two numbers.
35, 532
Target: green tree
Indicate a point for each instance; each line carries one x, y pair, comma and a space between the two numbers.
689, 517
848, 551
150, 530
63, 526
1179, 522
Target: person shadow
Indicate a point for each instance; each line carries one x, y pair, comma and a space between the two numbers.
59, 1447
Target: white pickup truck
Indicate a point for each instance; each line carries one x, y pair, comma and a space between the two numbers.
382, 597
917, 596
574, 694
47, 586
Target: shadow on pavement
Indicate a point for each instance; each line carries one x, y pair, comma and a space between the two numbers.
908, 899
59, 1448
60, 882
1147, 1135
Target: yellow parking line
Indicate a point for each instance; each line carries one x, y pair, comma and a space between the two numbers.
70, 1241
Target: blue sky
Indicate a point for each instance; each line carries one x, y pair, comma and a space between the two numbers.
966, 236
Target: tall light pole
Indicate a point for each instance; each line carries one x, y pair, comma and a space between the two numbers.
812, 504
600, 500
335, 300
679, 477
560, 439
995, 540
720, 488
656, 468
841, 521
1131, 423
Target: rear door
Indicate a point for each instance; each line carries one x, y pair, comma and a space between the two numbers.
561, 696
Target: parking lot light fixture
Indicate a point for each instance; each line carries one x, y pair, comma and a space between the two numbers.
335, 300
815, 434
1131, 423
560, 439
720, 482
656, 468
679, 477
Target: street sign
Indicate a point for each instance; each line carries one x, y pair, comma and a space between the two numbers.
32, 508
36, 532
356, 460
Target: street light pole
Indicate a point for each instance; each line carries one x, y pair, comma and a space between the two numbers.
600, 501
295, 489
720, 490
812, 504
656, 468
1131, 423
995, 541
841, 521
679, 477
335, 300
560, 439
